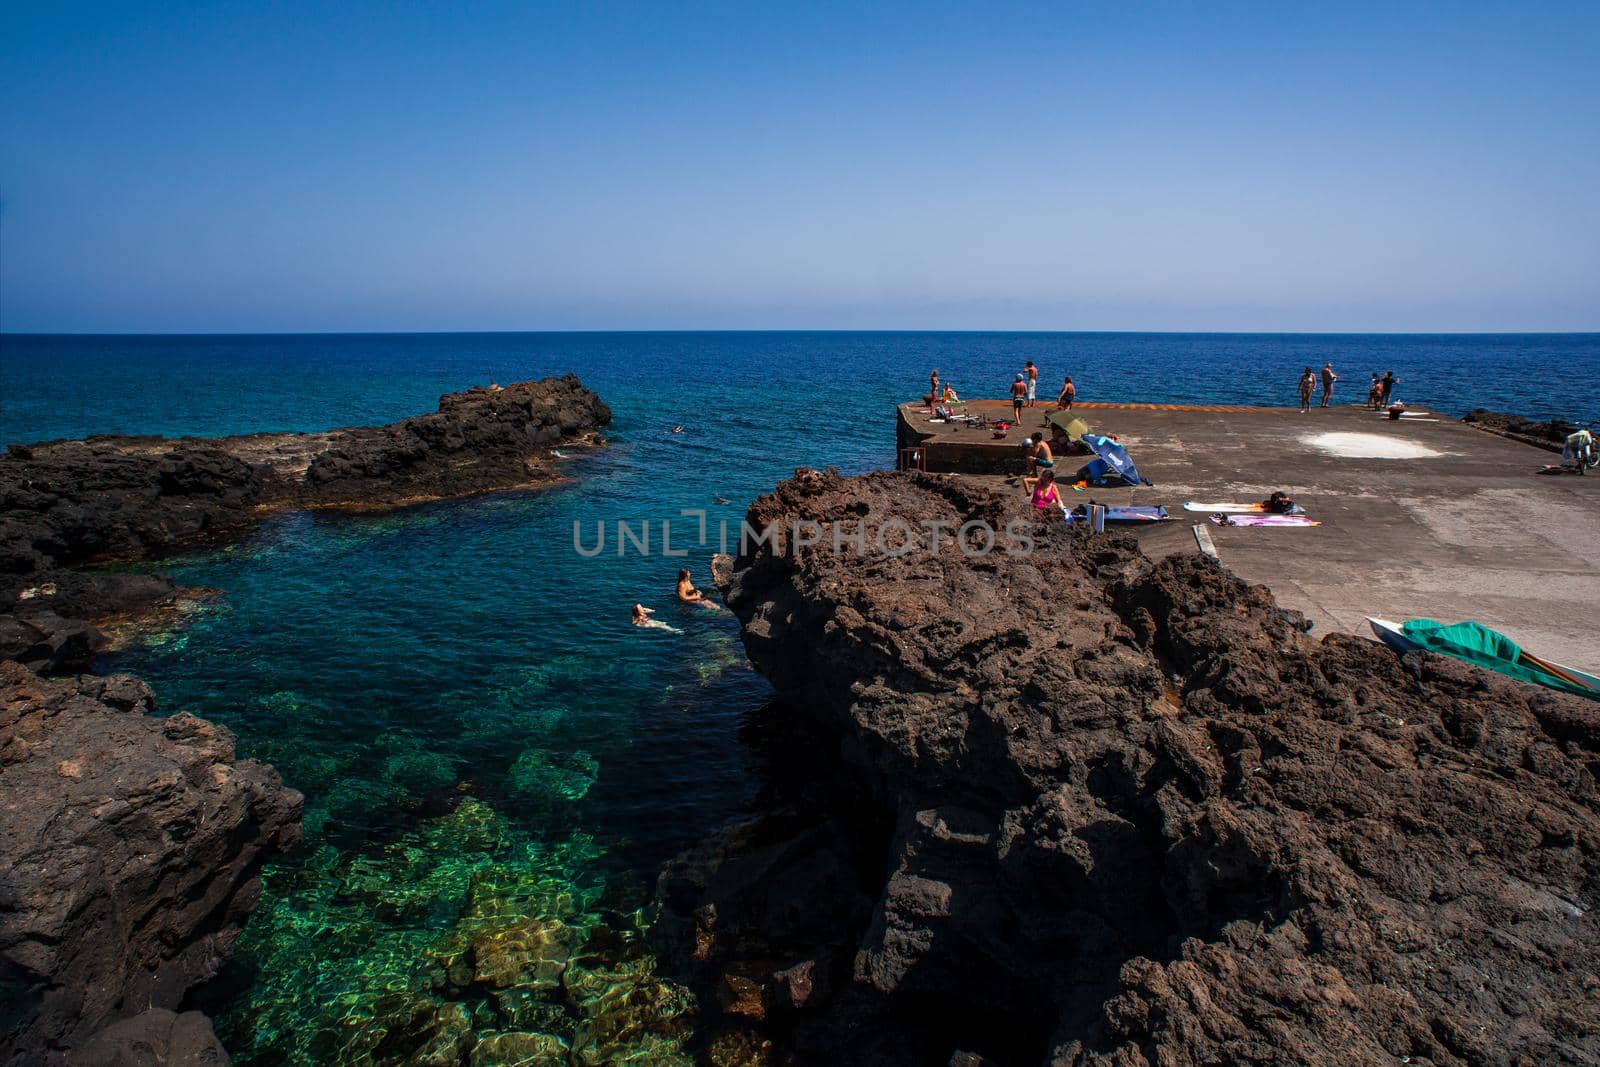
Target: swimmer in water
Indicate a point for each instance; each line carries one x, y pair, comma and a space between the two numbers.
677, 429
641, 617
690, 595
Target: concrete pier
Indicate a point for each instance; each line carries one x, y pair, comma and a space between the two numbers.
1458, 524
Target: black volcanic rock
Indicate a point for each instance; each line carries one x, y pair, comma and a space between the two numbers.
106, 498
478, 440
1550, 435
1109, 811
130, 856
154, 1038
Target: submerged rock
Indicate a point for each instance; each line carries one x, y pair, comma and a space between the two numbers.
131, 849
1109, 811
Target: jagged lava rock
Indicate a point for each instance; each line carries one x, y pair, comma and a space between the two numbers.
1110, 811
478, 440
130, 855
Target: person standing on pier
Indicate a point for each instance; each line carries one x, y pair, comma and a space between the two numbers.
1388, 381
933, 386
1069, 393
1308, 383
1328, 378
1375, 393
1033, 380
1019, 396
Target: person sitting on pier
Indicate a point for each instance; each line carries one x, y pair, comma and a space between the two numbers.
950, 394
1375, 394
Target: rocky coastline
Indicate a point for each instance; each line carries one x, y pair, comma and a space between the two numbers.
132, 857
1079, 807
1550, 435
108, 499
131, 846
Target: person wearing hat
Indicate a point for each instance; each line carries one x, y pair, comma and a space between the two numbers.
1019, 396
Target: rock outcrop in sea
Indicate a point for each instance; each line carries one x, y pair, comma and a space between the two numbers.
108, 499
1078, 807
131, 850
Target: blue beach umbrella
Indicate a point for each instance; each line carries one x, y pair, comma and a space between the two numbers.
1110, 456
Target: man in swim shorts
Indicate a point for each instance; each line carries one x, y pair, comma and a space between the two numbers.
1033, 380
1019, 396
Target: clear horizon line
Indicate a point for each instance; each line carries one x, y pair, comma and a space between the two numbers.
797, 330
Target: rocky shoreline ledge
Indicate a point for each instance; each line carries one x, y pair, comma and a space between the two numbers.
1077, 807
107, 499
1550, 436
131, 847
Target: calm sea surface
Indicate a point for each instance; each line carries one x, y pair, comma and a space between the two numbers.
482, 737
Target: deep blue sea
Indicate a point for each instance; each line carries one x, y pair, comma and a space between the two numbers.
486, 745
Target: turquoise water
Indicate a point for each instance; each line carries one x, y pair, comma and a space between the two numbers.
495, 761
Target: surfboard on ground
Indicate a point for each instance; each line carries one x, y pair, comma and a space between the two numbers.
1263, 520
1235, 509
1477, 644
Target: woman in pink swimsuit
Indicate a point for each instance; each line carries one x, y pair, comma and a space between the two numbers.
1046, 496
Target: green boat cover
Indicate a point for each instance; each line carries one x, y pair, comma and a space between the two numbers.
1490, 649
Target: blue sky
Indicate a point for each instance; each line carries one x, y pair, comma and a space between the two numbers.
243, 167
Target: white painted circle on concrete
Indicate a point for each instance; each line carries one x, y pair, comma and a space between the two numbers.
1368, 446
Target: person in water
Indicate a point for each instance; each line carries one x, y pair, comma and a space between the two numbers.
1308, 383
1019, 397
641, 618
690, 595
677, 429
1328, 378
1046, 495
1069, 393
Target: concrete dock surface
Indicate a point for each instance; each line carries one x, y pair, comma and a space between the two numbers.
1421, 517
